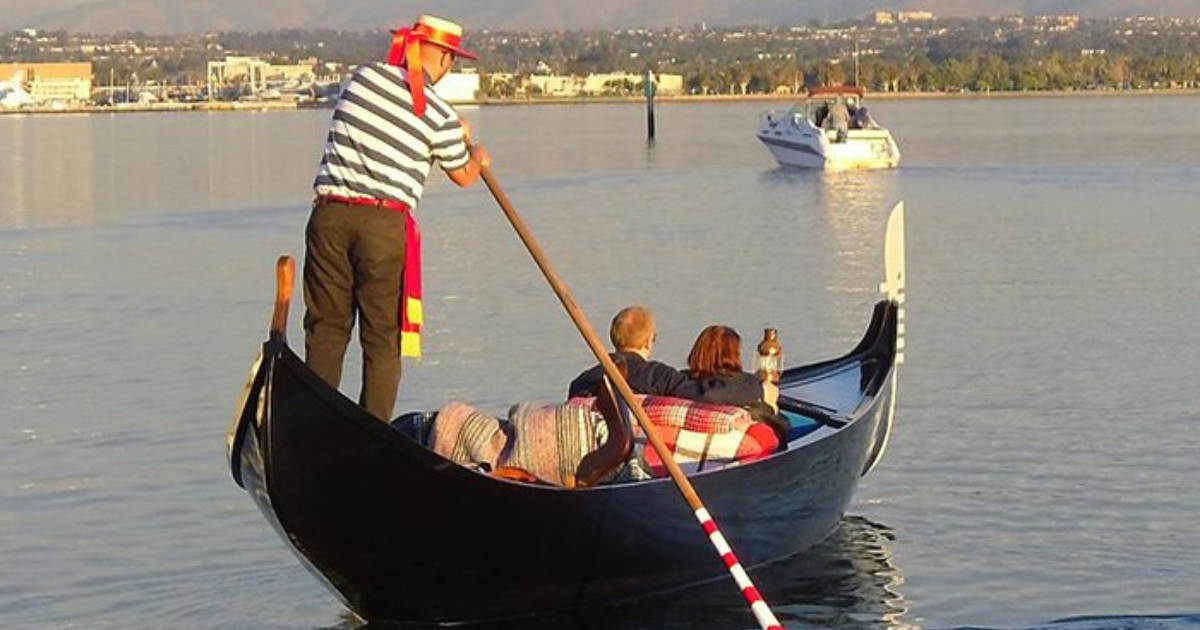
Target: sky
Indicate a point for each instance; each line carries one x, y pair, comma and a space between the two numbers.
176, 16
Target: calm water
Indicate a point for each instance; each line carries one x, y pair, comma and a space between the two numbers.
1044, 461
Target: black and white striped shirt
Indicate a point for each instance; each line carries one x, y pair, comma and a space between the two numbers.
379, 148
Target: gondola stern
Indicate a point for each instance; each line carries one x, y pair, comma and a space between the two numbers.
893, 287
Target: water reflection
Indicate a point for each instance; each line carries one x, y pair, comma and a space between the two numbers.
840, 219
856, 205
846, 192
847, 583
83, 170
42, 184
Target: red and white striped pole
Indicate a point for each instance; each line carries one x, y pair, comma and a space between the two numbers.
762, 612
759, 607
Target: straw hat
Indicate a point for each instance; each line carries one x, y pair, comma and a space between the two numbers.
406, 51
441, 32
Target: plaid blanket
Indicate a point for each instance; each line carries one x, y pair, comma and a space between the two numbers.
697, 451
701, 436
691, 415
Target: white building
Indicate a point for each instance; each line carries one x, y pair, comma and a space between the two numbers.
12, 92
602, 84
670, 84
556, 84
459, 87
237, 70
46, 83
612, 83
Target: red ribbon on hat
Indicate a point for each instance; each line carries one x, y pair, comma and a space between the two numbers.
406, 52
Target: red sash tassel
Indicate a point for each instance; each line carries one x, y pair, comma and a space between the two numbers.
412, 316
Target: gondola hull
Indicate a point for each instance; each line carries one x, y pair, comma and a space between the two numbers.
401, 534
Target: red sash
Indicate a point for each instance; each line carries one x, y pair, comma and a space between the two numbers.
411, 313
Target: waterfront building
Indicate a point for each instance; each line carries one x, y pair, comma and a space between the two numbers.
670, 84
556, 84
12, 92
611, 83
459, 87
250, 72
45, 83
243, 76
603, 84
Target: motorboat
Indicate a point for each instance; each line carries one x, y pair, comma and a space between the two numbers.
809, 134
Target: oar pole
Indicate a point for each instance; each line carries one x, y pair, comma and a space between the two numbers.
766, 619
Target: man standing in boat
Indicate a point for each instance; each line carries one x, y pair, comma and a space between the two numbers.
362, 243
838, 119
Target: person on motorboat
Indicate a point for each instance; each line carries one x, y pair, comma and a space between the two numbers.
633, 333
838, 119
715, 375
852, 106
820, 115
860, 118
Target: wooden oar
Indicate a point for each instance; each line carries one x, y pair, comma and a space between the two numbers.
766, 619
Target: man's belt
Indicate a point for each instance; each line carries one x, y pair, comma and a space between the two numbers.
390, 204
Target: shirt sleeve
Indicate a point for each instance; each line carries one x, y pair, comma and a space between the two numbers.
450, 146
666, 378
585, 384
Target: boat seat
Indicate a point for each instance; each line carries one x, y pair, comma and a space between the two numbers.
801, 425
415, 425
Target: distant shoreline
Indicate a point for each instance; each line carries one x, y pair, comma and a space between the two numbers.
135, 108
873, 96
263, 106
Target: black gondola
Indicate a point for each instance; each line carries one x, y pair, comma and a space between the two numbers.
400, 534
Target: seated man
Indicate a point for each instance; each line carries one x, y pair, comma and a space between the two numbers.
861, 119
633, 333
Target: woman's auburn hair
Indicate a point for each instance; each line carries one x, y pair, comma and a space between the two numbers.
717, 351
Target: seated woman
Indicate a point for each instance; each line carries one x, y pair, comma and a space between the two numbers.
715, 375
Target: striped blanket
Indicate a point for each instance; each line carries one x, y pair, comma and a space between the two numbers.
544, 439
549, 440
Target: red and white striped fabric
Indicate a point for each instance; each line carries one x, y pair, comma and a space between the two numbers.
701, 436
695, 451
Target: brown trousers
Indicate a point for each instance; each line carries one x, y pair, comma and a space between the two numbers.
353, 265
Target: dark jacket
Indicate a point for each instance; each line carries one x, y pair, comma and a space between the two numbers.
741, 389
644, 377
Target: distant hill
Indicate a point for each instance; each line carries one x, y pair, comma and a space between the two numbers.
194, 16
